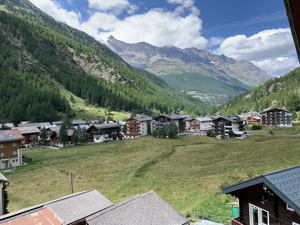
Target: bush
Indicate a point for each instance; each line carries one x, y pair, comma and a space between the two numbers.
256, 127
271, 132
223, 136
210, 133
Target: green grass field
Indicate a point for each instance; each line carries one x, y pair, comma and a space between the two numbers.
89, 112
186, 172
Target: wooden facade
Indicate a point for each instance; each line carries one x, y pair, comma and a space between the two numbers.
253, 120
265, 200
104, 132
222, 125
276, 117
163, 120
132, 127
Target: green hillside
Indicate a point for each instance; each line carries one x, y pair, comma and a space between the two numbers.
280, 92
51, 56
202, 84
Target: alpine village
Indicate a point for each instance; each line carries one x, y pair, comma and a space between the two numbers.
92, 134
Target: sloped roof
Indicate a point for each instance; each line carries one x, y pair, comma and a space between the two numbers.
45, 124
107, 125
3, 178
230, 118
188, 118
143, 209
9, 124
44, 217
57, 129
82, 126
69, 208
203, 119
284, 183
80, 206
171, 116
27, 130
57, 122
144, 118
78, 121
10, 135
274, 109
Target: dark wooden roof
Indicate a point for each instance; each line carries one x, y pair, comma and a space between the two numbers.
293, 12
275, 110
284, 183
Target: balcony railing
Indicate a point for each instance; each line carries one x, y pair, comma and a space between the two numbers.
236, 221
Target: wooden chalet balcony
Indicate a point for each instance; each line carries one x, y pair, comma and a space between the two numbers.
133, 126
236, 221
132, 134
132, 123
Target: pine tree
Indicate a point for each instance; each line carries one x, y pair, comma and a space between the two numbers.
171, 130
72, 99
149, 128
75, 136
44, 134
294, 115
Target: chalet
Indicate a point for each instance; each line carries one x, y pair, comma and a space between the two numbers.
163, 120
91, 122
201, 124
253, 113
38, 125
3, 181
271, 198
122, 124
31, 134
293, 12
53, 135
253, 120
78, 122
224, 124
104, 132
276, 117
10, 148
92, 208
188, 120
137, 126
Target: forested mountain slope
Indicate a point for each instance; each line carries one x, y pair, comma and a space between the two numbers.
283, 92
82, 70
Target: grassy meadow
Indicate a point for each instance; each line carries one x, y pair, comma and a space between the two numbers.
90, 112
186, 172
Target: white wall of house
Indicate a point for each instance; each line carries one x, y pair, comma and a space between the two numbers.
12, 162
242, 136
102, 138
187, 125
59, 144
205, 125
1, 199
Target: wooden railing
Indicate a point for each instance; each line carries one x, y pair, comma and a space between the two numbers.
236, 221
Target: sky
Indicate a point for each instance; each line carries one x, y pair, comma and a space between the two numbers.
256, 30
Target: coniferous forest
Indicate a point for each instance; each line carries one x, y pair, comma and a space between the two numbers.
283, 92
34, 58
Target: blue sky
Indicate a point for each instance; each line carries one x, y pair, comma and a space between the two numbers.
256, 30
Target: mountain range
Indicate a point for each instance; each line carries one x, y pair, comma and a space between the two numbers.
184, 68
45, 53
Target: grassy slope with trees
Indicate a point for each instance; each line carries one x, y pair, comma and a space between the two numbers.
280, 92
187, 172
202, 84
47, 53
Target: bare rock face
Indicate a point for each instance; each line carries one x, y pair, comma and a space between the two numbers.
170, 59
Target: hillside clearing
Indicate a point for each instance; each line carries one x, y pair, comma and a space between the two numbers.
186, 172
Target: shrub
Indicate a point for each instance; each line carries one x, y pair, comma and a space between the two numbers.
271, 132
223, 136
210, 133
256, 127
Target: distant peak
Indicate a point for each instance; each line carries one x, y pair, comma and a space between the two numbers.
111, 37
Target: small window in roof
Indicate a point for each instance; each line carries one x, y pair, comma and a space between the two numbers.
1, 135
10, 135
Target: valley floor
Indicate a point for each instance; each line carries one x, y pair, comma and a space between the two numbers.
186, 172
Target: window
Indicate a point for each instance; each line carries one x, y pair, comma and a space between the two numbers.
13, 160
1, 145
15, 153
2, 154
14, 144
17, 160
258, 216
289, 208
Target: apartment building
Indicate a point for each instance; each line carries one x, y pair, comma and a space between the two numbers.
201, 124
224, 124
276, 117
137, 126
10, 148
163, 120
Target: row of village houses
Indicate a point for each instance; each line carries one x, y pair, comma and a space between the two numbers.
28, 134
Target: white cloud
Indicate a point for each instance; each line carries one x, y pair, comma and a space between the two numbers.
265, 44
216, 40
279, 66
55, 10
184, 3
116, 5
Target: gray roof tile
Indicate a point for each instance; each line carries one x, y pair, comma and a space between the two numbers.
144, 118
80, 206
147, 209
10, 135
27, 130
